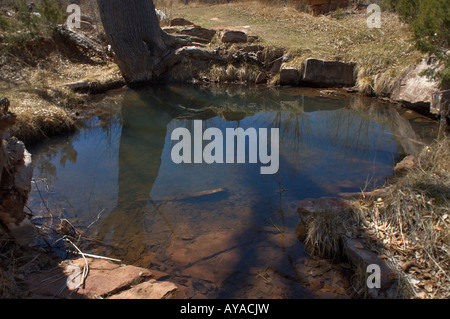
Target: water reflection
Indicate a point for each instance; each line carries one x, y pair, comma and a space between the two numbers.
120, 164
144, 130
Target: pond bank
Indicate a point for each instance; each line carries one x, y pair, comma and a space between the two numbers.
402, 228
270, 71
319, 284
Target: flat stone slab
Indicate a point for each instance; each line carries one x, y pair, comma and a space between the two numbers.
321, 73
199, 32
186, 253
151, 289
417, 88
361, 257
105, 279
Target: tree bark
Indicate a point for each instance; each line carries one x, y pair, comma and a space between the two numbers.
143, 50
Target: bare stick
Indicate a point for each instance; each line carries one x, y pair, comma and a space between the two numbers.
98, 257
85, 269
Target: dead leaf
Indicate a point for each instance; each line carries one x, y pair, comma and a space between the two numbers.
429, 287
359, 245
427, 276
405, 266
422, 295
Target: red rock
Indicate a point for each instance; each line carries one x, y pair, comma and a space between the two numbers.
231, 36
406, 164
106, 278
148, 290
362, 257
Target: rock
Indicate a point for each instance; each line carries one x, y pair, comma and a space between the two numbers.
199, 54
406, 164
231, 36
440, 105
289, 76
23, 233
79, 42
171, 30
212, 257
95, 87
362, 257
216, 268
203, 247
77, 85
301, 232
261, 78
317, 7
275, 65
180, 22
161, 15
415, 90
15, 172
151, 289
199, 32
106, 279
252, 48
321, 73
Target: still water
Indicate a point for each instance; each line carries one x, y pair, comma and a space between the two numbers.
115, 180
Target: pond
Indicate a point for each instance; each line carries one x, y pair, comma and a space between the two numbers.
221, 230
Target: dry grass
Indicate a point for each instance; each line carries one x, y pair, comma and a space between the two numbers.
35, 87
9, 288
33, 73
412, 222
384, 54
323, 238
231, 74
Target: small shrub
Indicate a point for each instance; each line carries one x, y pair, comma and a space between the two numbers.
430, 23
51, 14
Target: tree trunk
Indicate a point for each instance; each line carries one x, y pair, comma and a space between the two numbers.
143, 50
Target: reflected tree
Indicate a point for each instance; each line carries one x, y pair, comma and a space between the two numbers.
142, 140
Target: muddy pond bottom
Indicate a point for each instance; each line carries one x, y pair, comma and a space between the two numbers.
217, 230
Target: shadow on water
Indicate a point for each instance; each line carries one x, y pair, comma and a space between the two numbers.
240, 242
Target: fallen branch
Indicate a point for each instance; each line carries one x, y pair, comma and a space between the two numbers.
96, 256
192, 195
85, 269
